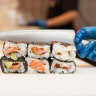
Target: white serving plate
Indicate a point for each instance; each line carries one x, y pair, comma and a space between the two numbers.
83, 82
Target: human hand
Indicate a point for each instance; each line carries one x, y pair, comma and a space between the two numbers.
88, 51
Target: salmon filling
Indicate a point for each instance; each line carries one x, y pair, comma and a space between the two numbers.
65, 67
58, 53
11, 49
37, 65
15, 66
38, 51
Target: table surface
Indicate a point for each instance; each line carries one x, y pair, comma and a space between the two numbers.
82, 83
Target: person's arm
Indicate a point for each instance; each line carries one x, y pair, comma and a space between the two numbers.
62, 19
69, 14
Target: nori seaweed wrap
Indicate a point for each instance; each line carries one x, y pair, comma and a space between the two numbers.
12, 66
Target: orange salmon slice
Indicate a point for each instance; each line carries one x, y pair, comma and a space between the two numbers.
38, 51
37, 65
15, 66
11, 49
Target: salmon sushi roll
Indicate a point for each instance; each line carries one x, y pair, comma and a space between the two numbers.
15, 50
39, 50
63, 51
61, 67
37, 65
11, 66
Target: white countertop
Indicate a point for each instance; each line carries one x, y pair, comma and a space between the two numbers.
82, 83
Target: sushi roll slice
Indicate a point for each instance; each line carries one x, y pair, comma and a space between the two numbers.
63, 51
62, 67
15, 50
38, 50
37, 65
1, 49
10, 66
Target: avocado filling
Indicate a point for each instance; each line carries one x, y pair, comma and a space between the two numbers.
8, 64
13, 56
11, 65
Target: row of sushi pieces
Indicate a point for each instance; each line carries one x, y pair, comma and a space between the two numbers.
34, 57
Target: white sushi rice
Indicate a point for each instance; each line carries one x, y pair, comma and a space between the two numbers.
21, 46
46, 50
71, 65
64, 50
21, 70
32, 71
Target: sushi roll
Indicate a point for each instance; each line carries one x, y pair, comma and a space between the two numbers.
15, 50
1, 49
37, 65
63, 51
11, 66
62, 67
38, 50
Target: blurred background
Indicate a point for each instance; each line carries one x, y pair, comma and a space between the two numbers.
46, 14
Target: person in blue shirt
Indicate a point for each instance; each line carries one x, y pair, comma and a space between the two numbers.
88, 51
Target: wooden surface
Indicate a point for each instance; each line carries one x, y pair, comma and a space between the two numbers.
81, 63
12, 28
